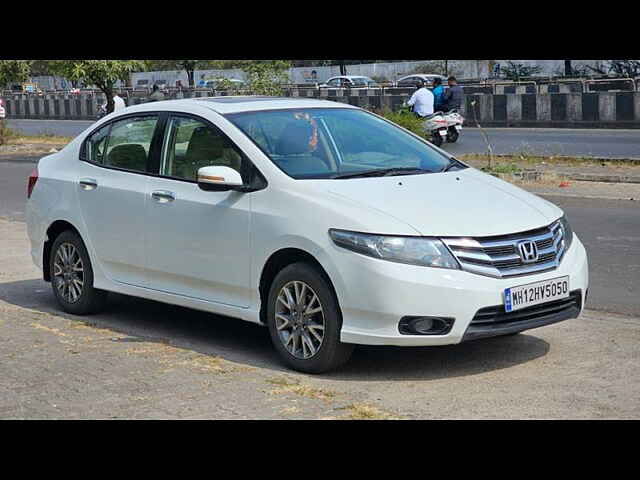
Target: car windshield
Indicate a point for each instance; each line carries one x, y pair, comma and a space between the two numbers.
337, 143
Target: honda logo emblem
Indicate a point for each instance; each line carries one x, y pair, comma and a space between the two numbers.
528, 251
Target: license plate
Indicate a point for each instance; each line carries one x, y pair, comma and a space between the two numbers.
443, 133
524, 296
458, 127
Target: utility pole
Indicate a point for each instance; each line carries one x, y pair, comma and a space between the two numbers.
343, 69
568, 71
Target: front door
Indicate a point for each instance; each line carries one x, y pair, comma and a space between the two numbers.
198, 241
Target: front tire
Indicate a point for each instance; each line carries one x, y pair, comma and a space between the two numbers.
71, 276
304, 320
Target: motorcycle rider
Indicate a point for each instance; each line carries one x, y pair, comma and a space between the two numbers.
118, 103
438, 95
421, 100
453, 95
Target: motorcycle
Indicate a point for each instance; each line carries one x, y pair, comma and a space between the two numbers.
444, 126
440, 126
102, 111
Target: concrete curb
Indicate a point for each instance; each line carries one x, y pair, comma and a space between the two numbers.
534, 175
570, 157
578, 195
23, 158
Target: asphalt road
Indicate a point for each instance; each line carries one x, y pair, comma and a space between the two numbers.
610, 230
541, 141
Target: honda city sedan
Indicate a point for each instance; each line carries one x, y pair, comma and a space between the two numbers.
326, 223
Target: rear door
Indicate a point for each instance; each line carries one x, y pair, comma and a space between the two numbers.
111, 188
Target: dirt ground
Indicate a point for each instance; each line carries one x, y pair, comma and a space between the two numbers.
143, 359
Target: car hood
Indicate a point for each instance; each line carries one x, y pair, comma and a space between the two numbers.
457, 203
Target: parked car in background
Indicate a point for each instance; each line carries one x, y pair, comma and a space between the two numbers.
412, 80
3, 112
349, 81
327, 224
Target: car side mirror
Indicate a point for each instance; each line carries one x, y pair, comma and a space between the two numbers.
219, 179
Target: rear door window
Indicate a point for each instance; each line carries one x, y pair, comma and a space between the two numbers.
129, 143
95, 145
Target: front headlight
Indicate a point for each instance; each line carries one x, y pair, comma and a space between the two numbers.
427, 252
567, 232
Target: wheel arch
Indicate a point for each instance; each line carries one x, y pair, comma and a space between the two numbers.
54, 230
281, 259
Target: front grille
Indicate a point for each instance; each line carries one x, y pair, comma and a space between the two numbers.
497, 315
498, 256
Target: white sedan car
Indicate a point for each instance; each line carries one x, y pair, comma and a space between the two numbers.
349, 81
324, 222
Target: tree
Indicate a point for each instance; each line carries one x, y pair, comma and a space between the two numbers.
515, 71
620, 68
266, 77
101, 73
343, 68
14, 71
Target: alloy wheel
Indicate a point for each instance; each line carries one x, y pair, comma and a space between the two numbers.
68, 272
300, 319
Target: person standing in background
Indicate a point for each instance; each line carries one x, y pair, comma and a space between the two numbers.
454, 94
156, 94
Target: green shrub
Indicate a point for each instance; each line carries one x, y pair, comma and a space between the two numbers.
405, 119
503, 168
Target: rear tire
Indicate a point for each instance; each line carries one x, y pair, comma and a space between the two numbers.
71, 276
436, 139
452, 135
307, 342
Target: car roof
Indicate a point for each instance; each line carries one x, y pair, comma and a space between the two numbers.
236, 104
348, 76
423, 75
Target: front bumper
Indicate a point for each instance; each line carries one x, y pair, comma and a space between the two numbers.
494, 321
378, 293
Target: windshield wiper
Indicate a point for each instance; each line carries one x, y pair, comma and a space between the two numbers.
453, 163
383, 172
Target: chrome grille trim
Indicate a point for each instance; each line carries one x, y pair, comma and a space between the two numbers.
497, 256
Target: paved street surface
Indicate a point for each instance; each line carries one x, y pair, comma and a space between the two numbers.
610, 229
541, 141
64, 128
143, 359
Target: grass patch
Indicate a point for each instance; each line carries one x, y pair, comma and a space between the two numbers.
48, 139
364, 411
505, 168
524, 158
9, 136
296, 387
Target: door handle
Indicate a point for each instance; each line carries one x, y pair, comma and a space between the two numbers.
88, 183
163, 196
